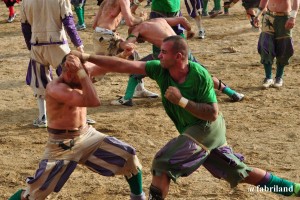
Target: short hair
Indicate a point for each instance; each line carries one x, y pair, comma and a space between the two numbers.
179, 44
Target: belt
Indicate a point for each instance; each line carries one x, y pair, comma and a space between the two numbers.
104, 31
62, 131
277, 13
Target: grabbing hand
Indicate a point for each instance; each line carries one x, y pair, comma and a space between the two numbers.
82, 56
190, 34
290, 23
173, 94
255, 22
73, 63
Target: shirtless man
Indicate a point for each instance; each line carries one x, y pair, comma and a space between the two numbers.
154, 31
107, 41
72, 141
276, 37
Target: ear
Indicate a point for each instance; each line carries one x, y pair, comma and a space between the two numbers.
179, 56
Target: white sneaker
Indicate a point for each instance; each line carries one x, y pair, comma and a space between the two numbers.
121, 101
40, 123
90, 121
144, 94
278, 83
268, 82
201, 33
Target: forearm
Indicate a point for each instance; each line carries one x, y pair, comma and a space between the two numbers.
295, 7
114, 64
202, 111
69, 25
89, 94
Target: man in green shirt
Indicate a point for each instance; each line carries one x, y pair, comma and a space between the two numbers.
190, 101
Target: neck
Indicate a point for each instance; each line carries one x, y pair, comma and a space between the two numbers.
179, 73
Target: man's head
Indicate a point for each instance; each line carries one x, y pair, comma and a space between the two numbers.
174, 50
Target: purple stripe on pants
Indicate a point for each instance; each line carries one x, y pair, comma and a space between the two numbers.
110, 157
101, 170
65, 176
122, 145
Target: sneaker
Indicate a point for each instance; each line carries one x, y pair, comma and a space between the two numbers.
226, 13
278, 82
237, 97
144, 94
268, 82
201, 34
90, 121
80, 27
121, 101
11, 18
40, 123
215, 13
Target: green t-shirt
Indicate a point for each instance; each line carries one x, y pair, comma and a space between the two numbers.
165, 6
198, 87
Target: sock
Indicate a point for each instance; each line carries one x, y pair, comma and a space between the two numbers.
135, 183
198, 22
205, 3
227, 90
296, 190
17, 195
132, 83
277, 185
217, 4
268, 70
79, 13
279, 71
42, 107
11, 10
226, 10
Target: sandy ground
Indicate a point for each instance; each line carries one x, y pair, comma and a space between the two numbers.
264, 126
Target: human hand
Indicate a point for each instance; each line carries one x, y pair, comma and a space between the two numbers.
143, 15
256, 22
73, 63
80, 48
82, 56
173, 94
190, 34
290, 23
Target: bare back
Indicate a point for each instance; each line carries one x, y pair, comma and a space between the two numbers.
61, 115
154, 31
109, 15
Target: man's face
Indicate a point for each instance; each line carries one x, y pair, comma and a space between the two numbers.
166, 56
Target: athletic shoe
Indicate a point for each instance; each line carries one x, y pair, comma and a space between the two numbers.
144, 94
201, 33
11, 18
90, 121
215, 13
237, 97
121, 101
268, 82
40, 123
278, 82
80, 27
226, 12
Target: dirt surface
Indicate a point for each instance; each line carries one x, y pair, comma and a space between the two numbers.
264, 127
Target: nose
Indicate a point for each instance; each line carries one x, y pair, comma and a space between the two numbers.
159, 55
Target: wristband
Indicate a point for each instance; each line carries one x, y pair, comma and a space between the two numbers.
85, 57
293, 14
81, 74
258, 12
183, 102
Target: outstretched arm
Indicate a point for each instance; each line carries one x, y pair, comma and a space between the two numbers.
130, 20
112, 64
